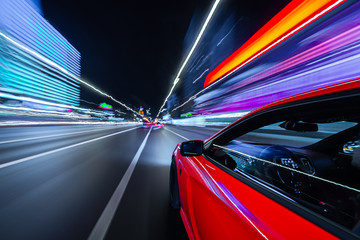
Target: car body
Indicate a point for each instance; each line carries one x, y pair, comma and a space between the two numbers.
288, 170
153, 124
148, 124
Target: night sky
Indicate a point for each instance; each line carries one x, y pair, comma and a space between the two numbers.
129, 49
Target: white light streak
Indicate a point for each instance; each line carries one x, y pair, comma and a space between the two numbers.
211, 13
228, 32
34, 110
33, 123
228, 115
200, 76
28, 99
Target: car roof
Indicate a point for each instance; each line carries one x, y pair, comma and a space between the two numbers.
323, 91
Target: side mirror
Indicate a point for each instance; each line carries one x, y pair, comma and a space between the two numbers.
300, 126
192, 148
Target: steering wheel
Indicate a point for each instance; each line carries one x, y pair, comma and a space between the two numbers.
281, 172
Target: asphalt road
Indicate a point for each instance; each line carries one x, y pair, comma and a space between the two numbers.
89, 182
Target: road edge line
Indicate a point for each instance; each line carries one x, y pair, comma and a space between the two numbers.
187, 139
102, 225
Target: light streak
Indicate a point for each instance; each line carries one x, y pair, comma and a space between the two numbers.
194, 96
332, 44
33, 123
278, 29
186, 114
28, 99
228, 32
82, 100
30, 76
228, 115
211, 13
191, 67
200, 76
36, 110
105, 106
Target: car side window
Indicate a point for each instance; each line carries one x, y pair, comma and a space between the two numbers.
317, 164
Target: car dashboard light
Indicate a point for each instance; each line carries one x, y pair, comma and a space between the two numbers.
289, 162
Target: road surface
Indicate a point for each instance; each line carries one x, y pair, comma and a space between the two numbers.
89, 182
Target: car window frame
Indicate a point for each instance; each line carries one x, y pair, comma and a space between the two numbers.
225, 135
265, 117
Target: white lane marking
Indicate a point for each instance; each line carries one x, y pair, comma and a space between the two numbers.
49, 136
103, 224
177, 134
4, 165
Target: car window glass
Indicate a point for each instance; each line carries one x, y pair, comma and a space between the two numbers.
317, 169
277, 135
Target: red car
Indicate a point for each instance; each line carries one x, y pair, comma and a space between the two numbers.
288, 170
152, 124
148, 124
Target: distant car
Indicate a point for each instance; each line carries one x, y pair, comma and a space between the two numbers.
148, 124
160, 124
288, 170
152, 124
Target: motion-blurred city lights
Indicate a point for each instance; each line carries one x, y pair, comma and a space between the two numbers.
41, 123
61, 69
294, 17
336, 37
105, 106
177, 79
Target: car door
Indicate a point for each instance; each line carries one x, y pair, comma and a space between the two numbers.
210, 209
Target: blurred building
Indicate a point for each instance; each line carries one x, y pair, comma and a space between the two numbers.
36, 62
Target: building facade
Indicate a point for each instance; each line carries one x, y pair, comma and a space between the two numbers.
36, 61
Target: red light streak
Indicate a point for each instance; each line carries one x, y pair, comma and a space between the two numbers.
294, 17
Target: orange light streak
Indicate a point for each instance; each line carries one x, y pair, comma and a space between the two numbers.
295, 16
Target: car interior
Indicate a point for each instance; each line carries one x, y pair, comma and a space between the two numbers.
310, 153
